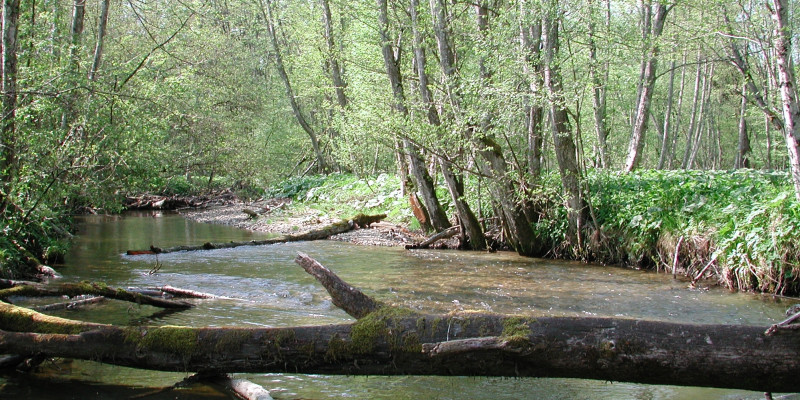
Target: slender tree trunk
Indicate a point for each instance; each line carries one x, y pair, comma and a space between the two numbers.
599, 76
266, 10
703, 115
678, 114
693, 117
422, 179
743, 149
76, 36
665, 143
469, 223
8, 147
563, 141
789, 105
530, 40
333, 61
648, 83
101, 34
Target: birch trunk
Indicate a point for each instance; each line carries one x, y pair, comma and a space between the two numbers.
789, 105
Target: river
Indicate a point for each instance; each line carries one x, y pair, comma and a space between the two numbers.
270, 290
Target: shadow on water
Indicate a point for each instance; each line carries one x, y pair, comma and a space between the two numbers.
268, 289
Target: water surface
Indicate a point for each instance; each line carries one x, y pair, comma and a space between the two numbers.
269, 290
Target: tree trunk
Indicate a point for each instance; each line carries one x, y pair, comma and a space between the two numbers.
678, 114
266, 11
333, 61
703, 115
419, 173
789, 105
101, 34
599, 76
665, 142
563, 141
648, 83
469, 223
389, 340
503, 190
8, 146
743, 148
693, 117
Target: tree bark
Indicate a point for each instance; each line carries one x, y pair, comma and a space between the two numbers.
333, 61
563, 141
665, 142
395, 341
743, 148
101, 34
468, 222
266, 11
32, 289
419, 173
9, 76
599, 76
789, 105
650, 62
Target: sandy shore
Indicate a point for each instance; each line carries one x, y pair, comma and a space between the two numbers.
275, 216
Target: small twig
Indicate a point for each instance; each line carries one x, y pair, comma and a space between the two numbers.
784, 325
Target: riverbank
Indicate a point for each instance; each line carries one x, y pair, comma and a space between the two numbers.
279, 216
737, 228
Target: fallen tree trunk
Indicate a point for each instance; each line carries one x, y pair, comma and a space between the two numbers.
445, 234
359, 221
396, 341
10, 288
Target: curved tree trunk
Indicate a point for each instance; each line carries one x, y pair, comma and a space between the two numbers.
563, 141
649, 63
266, 10
419, 173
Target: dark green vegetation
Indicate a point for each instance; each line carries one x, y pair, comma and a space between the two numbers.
496, 116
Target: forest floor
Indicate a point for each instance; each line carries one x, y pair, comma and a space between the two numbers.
279, 216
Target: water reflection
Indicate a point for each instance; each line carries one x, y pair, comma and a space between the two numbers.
268, 289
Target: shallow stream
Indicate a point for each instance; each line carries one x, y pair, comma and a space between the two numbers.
271, 290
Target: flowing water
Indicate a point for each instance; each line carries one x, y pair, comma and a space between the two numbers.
270, 290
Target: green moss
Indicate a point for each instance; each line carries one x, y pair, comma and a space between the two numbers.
177, 340
20, 319
231, 340
382, 323
516, 330
336, 348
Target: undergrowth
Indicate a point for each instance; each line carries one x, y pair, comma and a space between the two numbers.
743, 225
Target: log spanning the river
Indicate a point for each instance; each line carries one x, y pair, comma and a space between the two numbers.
395, 341
345, 225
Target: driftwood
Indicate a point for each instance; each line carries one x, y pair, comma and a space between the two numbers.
445, 234
389, 340
359, 221
78, 302
10, 288
158, 202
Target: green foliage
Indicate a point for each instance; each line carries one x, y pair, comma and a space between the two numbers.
751, 219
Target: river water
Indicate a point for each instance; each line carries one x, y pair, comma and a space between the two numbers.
270, 290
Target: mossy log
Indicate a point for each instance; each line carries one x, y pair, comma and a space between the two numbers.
345, 225
396, 341
10, 288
